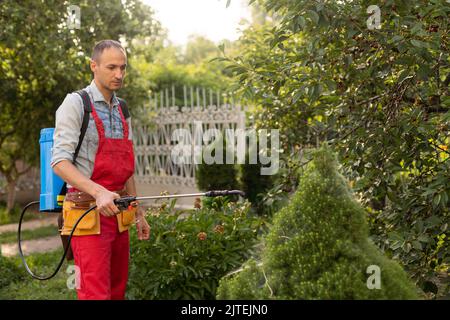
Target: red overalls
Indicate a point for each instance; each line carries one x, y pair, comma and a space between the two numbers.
103, 259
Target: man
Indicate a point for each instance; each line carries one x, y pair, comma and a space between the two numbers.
102, 172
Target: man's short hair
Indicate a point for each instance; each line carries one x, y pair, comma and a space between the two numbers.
104, 44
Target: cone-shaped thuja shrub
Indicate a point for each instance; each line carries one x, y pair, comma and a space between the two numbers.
318, 248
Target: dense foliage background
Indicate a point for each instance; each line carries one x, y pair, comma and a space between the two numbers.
380, 96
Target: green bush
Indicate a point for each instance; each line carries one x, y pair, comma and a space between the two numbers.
9, 272
216, 176
188, 252
318, 247
11, 216
254, 184
283, 184
217, 203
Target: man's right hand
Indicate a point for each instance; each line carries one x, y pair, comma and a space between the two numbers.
105, 202
103, 197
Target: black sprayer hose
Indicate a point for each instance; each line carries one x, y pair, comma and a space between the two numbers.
65, 251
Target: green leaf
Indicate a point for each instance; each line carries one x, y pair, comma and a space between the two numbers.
313, 16
397, 38
416, 245
444, 198
424, 71
417, 29
433, 221
436, 200
428, 192
297, 96
419, 44
424, 238
330, 84
395, 245
407, 247
301, 21
314, 92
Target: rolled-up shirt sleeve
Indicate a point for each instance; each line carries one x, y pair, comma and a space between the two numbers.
69, 117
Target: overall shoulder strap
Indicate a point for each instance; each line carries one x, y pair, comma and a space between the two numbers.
123, 105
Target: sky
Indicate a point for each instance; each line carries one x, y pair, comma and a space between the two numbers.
210, 18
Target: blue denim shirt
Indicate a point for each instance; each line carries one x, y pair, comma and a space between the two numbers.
69, 118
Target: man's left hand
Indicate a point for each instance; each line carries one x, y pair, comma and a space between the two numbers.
142, 226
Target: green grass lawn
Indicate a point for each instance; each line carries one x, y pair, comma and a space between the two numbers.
31, 289
47, 231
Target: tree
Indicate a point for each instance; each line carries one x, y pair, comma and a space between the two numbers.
173, 68
318, 248
199, 49
43, 60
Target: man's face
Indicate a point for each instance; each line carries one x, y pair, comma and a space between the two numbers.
110, 68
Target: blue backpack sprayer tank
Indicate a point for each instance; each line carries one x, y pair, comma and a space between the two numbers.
53, 190
50, 199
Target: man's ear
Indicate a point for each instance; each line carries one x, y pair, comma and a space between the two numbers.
93, 65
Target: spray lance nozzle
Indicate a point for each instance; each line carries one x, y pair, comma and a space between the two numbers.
125, 202
218, 193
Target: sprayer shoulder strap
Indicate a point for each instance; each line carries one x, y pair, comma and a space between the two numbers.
87, 110
123, 105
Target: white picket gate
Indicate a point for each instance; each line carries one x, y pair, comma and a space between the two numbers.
205, 109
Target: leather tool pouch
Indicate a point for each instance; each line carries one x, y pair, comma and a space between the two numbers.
76, 204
